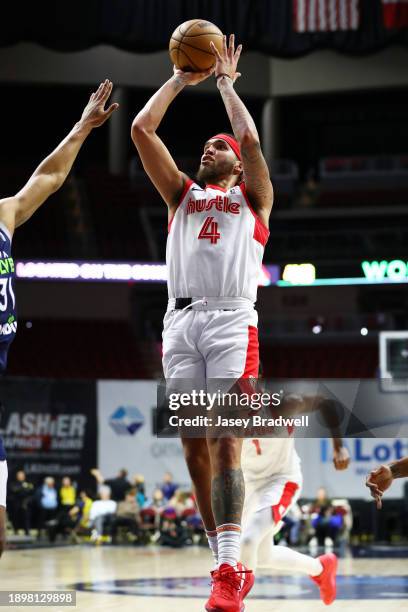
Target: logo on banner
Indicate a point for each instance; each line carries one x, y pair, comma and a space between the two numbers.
363, 451
126, 420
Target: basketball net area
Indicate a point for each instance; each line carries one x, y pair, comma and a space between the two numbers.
393, 370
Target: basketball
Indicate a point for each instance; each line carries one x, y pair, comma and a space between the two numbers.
189, 46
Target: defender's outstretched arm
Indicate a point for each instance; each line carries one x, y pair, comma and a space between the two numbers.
54, 169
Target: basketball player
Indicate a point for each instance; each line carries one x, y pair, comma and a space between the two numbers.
215, 246
380, 479
273, 481
16, 210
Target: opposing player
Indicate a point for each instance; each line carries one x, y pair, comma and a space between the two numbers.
380, 479
273, 482
16, 210
215, 245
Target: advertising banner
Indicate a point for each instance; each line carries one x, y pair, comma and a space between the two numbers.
126, 434
49, 428
366, 454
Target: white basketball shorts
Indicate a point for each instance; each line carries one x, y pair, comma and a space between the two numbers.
277, 493
214, 343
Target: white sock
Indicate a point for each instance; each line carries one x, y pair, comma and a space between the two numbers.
213, 544
283, 558
229, 540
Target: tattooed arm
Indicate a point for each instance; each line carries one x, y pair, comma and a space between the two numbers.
257, 181
156, 158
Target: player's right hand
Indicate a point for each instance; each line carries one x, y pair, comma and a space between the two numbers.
378, 481
191, 78
95, 114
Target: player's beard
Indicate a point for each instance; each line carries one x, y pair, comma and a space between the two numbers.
215, 172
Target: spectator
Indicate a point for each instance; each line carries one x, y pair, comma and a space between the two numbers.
309, 193
67, 497
326, 523
127, 515
291, 526
168, 487
181, 501
119, 485
158, 500
79, 515
157, 504
172, 532
101, 513
47, 501
67, 494
21, 495
139, 484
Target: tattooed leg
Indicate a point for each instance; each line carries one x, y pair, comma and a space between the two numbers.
227, 496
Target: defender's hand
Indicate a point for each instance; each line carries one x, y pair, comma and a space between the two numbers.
94, 114
378, 481
191, 78
227, 61
341, 458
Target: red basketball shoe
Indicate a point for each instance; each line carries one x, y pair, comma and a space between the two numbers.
326, 581
229, 587
249, 579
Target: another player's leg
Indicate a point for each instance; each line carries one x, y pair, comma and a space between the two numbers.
321, 570
3, 492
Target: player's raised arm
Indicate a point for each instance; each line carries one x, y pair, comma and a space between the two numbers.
256, 174
54, 169
156, 158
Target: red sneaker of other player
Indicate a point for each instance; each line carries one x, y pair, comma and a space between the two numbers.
326, 581
229, 587
249, 580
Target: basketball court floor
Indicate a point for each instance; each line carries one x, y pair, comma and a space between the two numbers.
160, 580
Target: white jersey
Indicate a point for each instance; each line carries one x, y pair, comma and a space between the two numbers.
215, 244
265, 458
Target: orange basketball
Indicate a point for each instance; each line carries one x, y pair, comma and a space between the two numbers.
190, 45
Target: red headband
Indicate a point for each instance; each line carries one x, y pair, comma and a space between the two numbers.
231, 141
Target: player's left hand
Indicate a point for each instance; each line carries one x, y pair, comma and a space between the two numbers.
341, 458
94, 114
227, 61
191, 78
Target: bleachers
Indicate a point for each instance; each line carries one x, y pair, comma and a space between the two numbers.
285, 178
357, 181
77, 349
115, 215
319, 361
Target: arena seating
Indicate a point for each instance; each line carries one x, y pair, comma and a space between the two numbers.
356, 181
319, 361
115, 216
285, 177
77, 349
108, 349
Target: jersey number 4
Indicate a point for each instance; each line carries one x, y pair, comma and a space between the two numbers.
209, 231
